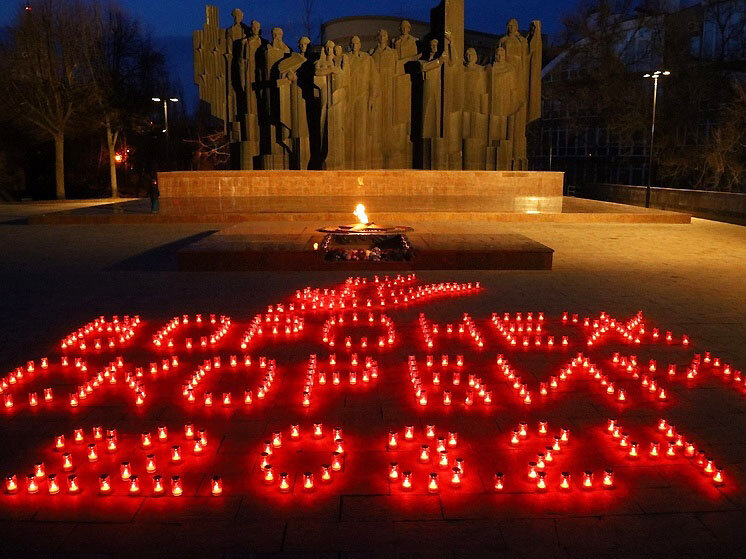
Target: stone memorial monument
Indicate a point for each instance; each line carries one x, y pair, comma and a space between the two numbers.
406, 104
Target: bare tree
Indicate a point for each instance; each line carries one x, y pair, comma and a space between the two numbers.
43, 79
728, 20
608, 42
212, 149
125, 69
308, 13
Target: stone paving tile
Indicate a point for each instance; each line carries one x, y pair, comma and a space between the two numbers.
314, 535
197, 539
383, 507
474, 536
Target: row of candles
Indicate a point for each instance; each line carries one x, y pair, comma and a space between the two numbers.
384, 320
164, 336
509, 329
477, 387
272, 323
314, 375
536, 470
197, 439
105, 485
652, 385
335, 465
269, 366
120, 332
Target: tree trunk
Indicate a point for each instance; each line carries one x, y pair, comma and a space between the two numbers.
59, 165
111, 141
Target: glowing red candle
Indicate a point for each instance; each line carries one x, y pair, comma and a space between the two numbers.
125, 471
48, 397
92, 453
718, 478
134, 485
32, 486
146, 440
11, 484
177, 489
443, 459
162, 433
608, 481
654, 449
104, 484
111, 444
158, 488
318, 431
308, 481
588, 480
176, 454
72, 484
432, 484
284, 485
425, 453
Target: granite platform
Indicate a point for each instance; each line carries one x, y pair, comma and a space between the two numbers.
246, 247
336, 210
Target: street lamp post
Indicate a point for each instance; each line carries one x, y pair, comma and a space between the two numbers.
165, 110
655, 76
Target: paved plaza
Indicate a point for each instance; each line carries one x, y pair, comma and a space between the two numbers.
686, 278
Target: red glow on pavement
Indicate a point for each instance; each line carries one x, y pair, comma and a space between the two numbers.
463, 399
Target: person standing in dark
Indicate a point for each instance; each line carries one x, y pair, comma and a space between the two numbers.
154, 195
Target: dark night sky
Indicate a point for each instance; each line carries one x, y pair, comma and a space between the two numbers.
172, 21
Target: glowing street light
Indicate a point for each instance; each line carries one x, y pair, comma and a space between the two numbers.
165, 109
655, 76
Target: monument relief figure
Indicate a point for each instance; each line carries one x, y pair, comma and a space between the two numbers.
294, 84
323, 89
210, 68
276, 51
475, 113
405, 44
237, 64
363, 92
390, 135
276, 148
407, 50
338, 112
517, 51
431, 68
244, 75
505, 103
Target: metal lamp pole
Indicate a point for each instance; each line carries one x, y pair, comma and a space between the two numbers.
165, 110
655, 77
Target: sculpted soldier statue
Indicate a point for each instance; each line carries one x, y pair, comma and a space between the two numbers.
294, 85
276, 51
517, 53
324, 69
363, 92
505, 104
405, 44
475, 113
387, 132
237, 63
431, 67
